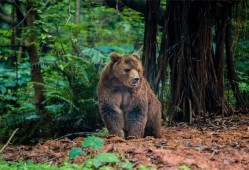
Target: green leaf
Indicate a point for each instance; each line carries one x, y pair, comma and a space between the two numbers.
104, 168
88, 163
61, 66
106, 157
29, 162
183, 167
10, 84
97, 163
75, 152
93, 142
141, 167
126, 165
3, 90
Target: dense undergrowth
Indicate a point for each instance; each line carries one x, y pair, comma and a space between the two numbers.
70, 74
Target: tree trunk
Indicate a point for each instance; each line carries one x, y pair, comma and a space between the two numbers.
36, 75
162, 62
76, 50
149, 50
196, 77
77, 17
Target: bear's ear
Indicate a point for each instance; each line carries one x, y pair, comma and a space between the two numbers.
137, 56
115, 57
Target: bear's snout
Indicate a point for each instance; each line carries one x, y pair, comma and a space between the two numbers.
134, 81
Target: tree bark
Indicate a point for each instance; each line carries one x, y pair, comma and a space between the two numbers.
162, 61
36, 75
196, 76
149, 50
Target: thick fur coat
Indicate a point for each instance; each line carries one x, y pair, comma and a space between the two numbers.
127, 104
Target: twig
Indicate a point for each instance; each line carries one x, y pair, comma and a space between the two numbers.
140, 49
23, 18
8, 140
71, 134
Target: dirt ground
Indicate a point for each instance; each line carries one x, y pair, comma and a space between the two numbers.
221, 143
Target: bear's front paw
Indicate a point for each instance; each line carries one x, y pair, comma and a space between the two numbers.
114, 134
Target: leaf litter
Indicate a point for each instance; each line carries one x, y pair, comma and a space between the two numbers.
221, 143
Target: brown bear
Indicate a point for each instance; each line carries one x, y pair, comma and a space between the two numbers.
127, 104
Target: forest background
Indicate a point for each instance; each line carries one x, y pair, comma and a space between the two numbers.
195, 56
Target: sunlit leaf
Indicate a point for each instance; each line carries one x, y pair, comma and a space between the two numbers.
107, 157
183, 167
75, 152
126, 165
93, 142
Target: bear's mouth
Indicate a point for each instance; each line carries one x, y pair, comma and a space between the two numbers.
133, 84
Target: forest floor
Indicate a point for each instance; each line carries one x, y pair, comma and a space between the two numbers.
221, 143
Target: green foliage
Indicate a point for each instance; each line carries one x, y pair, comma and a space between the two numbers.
75, 152
183, 167
16, 93
103, 158
100, 160
30, 165
13, 85
93, 142
241, 66
71, 58
101, 132
126, 165
4, 41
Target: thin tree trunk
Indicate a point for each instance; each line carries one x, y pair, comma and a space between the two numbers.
76, 50
12, 60
162, 62
77, 15
36, 75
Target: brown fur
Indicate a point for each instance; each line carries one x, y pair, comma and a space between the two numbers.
128, 107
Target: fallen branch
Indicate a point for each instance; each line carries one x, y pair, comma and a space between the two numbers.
8, 141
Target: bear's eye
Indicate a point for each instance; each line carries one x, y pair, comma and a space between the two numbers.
127, 70
138, 70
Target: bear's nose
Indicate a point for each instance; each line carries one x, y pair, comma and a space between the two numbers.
136, 79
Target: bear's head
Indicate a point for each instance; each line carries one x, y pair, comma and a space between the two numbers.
127, 69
